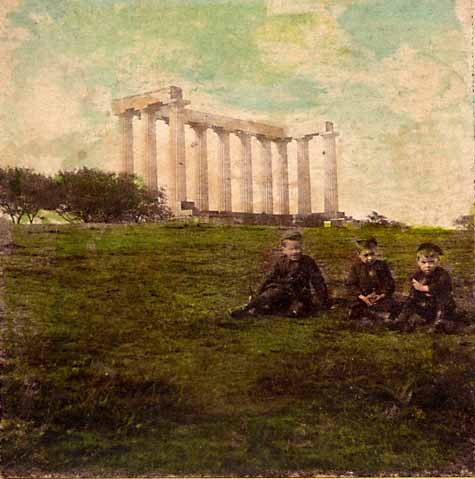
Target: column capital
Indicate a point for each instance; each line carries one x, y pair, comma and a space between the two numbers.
179, 103
198, 126
286, 139
220, 130
263, 138
306, 137
242, 134
151, 107
128, 112
329, 134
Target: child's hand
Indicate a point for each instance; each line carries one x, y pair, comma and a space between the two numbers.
373, 297
366, 299
377, 297
419, 286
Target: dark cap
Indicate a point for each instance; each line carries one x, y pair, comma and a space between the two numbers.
369, 243
430, 249
291, 235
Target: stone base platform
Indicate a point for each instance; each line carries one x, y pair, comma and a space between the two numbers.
235, 218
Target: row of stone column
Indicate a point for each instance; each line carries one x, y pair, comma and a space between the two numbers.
177, 164
176, 155
224, 171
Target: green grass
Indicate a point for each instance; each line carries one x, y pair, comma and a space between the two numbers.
121, 359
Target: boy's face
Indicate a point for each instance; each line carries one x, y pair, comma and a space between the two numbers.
292, 249
368, 255
427, 264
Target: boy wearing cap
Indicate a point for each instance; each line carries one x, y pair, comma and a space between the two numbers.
294, 286
370, 284
430, 297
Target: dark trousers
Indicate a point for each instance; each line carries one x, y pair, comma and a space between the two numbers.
384, 308
429, 310
280, 300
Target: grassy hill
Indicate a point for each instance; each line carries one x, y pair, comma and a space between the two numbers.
120, 360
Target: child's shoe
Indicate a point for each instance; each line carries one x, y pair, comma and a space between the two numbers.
242, 311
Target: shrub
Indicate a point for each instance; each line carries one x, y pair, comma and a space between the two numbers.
94, 196
24, 192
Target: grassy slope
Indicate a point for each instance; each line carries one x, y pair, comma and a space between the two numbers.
121, 359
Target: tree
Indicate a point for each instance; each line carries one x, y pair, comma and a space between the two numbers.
376, 218
24, 192
95, 196
465, 222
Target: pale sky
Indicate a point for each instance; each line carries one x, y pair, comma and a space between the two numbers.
393, 75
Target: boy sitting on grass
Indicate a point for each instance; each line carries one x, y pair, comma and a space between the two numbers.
294, 287
371, 285
430, 299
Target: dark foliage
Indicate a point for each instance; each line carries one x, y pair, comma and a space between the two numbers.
94, 196
465, 222
23, 193
376, 218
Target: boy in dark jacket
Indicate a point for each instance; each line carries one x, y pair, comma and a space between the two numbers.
370, 284
430, 297
294, 286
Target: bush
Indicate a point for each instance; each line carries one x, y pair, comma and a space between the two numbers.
374, 218
465, 222
94, 196
24, 192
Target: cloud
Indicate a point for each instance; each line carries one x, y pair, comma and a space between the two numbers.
46, 110
314, 42
10, 39
38, 155
415, 84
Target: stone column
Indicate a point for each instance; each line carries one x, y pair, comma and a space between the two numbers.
127, 141
201, 162
224, 172
177, 161
282, 177
330, 189
266, 158
246, 172
150, 148
303, 177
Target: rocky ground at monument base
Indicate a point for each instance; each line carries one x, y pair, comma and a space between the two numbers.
120, 361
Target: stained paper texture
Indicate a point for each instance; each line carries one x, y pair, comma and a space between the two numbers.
346, 111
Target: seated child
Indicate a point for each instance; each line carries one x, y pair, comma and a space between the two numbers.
294, 286
431, 296
371, 285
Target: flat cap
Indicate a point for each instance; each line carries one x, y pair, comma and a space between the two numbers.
430, 248
291, 235
368, 243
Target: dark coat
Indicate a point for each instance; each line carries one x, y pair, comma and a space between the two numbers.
366, 279
440, 288
300, 278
